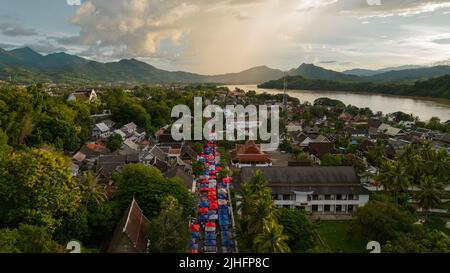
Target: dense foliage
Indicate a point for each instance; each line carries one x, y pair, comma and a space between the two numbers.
433, 88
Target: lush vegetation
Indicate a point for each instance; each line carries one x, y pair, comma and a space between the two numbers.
258, 229
433, 88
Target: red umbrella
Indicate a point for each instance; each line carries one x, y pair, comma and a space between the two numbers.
210, 225
195, 228
214, 206
203, 210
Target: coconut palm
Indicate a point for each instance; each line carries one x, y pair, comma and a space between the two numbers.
272, 240
394, 178
430, 193
92, 190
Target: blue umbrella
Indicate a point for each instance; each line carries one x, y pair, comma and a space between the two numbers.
210, 243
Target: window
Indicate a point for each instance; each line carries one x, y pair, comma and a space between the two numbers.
286, 206
351, 197
327, 197
327, 208
315, 197
287, 197
338, 208
309, 197
315, 208
350, 208
356, 197
339, 197
275, 196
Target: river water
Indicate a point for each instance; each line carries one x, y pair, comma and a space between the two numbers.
423, 108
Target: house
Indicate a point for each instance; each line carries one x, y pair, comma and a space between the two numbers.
130, 234
294, 127
357, 132
129, 128
109, 164
407, 124
312, 130
390, 131
166, 140
366, 145
250, 154
346, 117
129, 147
180, 173
316, 190
318, 149
445, 138
321, 138
187, 154
120, 133
101, 130
109, 122
79, 157
82, 96
148, 158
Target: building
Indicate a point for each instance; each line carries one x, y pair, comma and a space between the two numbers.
250, 154
130, 233
129, 128
294, 127
318, 149
317, 190
83, 96
101, 130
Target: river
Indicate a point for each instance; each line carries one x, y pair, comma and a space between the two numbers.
423, 108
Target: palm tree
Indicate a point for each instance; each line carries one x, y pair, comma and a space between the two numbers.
272, 240
91, 189
394, 178
430, 193
412, 161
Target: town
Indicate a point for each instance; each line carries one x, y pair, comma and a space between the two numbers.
115, 178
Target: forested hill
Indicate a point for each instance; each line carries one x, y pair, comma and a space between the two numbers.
433, 88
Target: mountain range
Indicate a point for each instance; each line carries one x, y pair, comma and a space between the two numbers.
25, 65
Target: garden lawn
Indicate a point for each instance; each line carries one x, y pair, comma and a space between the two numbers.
334, 235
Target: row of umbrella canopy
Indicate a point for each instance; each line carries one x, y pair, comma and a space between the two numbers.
208, 206
213, 206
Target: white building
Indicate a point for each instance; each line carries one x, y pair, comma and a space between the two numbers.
317, 190
101, 130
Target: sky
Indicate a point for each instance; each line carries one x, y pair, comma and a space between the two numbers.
221, 36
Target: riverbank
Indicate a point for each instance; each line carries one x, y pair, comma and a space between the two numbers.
423, 107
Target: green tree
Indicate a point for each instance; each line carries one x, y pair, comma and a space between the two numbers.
28, 239
114, 142
394, 178
298, 229
272, 239
37, 188
169, 233
381, 221
430, 194
150, 189
332, 160
4, 147
91, 190
258, 219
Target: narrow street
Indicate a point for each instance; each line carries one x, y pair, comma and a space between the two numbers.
212, 231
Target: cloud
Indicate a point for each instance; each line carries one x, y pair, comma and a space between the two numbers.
392, 7
15, 30
442, 41
219, 36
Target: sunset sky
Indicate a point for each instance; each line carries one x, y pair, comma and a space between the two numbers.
217, 36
